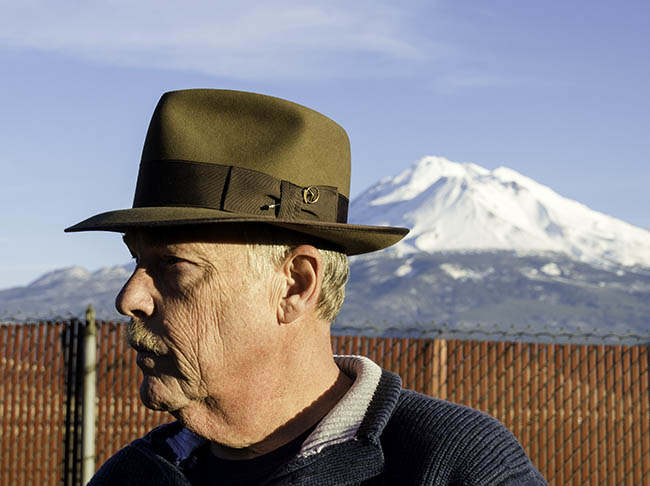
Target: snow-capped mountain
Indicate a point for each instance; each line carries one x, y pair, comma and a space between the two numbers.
453, 206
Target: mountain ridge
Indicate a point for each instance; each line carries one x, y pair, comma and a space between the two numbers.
465, 207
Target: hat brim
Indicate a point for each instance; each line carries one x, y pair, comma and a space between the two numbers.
353, 239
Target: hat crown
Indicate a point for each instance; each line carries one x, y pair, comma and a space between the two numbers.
252, 131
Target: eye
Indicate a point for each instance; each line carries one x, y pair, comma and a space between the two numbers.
171, 260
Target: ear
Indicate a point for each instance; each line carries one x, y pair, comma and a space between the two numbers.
303, 277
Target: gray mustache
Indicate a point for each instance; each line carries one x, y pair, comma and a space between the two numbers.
141, 339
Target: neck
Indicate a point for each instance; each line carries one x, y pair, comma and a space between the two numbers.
269, 410
292, 428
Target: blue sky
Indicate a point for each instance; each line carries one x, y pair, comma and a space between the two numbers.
559, 91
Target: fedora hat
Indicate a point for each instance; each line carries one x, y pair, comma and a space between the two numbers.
215, 156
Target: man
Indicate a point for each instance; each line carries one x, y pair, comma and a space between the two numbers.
239, 232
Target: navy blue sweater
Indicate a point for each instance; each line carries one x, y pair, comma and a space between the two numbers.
403, 438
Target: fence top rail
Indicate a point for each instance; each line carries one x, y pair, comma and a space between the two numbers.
545, 335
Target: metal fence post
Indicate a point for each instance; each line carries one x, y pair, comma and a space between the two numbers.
89, 386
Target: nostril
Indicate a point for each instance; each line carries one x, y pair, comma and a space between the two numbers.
138, 314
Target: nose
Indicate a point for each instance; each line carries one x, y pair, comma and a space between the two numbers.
136, 299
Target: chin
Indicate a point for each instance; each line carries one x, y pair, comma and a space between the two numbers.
157, 396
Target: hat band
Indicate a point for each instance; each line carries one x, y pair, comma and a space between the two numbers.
236, 190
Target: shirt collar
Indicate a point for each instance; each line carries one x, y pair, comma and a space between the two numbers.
342, 423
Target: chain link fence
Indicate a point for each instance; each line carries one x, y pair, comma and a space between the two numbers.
582, 412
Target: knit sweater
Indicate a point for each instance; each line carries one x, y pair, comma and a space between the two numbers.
378, 434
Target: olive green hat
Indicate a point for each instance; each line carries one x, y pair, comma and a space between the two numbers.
214, 156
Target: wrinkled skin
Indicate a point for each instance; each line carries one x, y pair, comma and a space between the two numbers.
204, 322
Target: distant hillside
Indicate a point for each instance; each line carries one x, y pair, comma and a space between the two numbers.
496, 292
66, 292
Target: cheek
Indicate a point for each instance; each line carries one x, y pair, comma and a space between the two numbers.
250, 325
221, 326
207, 313
186, 336
190, 308
243, 323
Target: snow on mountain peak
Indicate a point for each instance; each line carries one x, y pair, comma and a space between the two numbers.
418, 178
117, 272
453, 206
58, 276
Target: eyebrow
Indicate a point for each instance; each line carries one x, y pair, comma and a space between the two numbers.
132, 241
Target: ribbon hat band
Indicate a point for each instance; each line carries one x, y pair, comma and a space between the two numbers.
235, 189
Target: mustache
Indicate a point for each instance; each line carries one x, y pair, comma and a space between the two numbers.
141, 338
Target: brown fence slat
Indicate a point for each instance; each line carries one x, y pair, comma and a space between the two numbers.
4, 401
411, 353
29, 411
419, 366
13, 405
528, 399
50, 402
37, 400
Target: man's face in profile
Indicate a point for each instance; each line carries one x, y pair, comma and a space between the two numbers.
202, 318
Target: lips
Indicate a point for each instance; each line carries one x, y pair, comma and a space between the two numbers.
143, 350
145, 359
